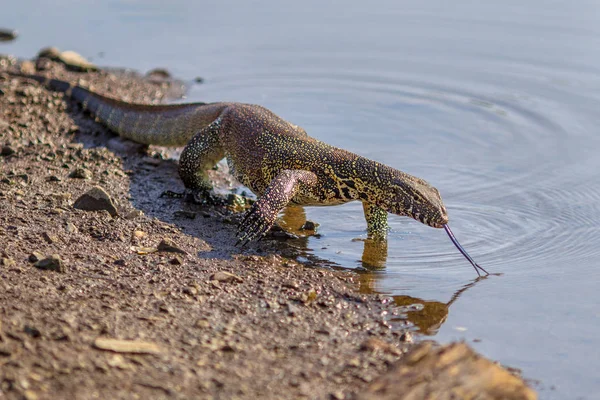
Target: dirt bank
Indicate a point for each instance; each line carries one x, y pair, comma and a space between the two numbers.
201, 318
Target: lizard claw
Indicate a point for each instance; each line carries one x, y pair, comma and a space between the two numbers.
255, 225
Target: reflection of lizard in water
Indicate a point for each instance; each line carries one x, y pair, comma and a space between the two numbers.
274, 158
430, 318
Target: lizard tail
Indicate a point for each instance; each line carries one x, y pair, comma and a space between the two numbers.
162, 125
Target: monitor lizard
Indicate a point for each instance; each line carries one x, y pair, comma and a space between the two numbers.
274, 158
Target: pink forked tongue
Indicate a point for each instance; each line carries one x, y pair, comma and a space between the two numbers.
463, 251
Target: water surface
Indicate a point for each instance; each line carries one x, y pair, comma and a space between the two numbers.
494, 104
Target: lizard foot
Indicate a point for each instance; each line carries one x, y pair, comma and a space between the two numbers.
256, 223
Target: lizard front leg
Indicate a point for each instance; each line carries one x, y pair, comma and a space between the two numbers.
377, 226
201, 153
259, 219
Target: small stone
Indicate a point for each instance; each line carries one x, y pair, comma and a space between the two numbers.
126, 346
30, 395
292, 309
7, 151
27, 67
134, 214
35, 256
50, 239
71, 228
49, 52
53, 178
32, 331
96, 199
225, 277
81, 173
139, 234
7, 35
198, 79
76, 62
161, 73
291, 285
169, 246
308, 226
177, 260
8, 262
52, 263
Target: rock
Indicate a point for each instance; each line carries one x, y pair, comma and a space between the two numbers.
96, 199
444, 373
49, 52
81, 173
53, 178
71, 59
6, 35
27, 67
177, 260
35, 256
160, 72
7, 262
308, 226
52, 263
126, 346
225, 277
7, 151
134, 214
50, 239
169, 246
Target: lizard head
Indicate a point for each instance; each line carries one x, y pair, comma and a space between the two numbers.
413, 197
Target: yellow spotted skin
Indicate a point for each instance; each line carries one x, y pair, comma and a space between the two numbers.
276, 159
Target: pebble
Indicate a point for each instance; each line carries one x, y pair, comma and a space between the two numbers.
308, 226
52, 263
7, 151
169, 246
126, 346
81, 173
7, 35
177, 260
225, 277
50, 239
35, 256
8, 262
96, 199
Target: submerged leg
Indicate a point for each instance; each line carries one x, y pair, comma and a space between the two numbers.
376, 217
199, 155
281, 190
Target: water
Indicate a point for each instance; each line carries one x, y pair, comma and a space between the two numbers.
494, 104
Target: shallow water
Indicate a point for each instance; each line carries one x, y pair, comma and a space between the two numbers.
495, 105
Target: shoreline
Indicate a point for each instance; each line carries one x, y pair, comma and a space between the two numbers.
209, 320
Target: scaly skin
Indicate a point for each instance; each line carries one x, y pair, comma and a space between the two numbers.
277, 160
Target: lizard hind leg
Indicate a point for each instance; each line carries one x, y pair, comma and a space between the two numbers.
201, 153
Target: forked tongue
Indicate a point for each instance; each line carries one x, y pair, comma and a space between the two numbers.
463, 251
